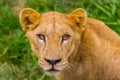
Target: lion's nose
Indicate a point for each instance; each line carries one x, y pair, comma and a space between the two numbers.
52, 61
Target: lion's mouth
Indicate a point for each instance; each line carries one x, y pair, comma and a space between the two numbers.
53, 70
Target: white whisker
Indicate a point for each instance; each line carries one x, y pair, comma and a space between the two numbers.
69, 68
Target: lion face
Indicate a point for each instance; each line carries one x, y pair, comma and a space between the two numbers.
53, 37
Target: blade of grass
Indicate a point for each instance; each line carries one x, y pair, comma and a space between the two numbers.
102, 9
43, 76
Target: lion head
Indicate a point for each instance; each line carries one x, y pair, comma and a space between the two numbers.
54, 37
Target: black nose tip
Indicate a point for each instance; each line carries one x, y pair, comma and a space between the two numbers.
52, 61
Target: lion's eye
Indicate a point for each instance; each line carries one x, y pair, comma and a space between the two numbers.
65, 37
41, 36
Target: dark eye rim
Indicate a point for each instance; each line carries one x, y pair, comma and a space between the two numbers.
66, 37
41, 36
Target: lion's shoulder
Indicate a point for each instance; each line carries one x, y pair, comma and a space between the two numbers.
102, 30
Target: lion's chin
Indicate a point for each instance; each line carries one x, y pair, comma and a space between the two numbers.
53, 73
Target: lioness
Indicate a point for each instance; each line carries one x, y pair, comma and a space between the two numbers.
72, 46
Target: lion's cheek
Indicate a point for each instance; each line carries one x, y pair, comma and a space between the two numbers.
69, 51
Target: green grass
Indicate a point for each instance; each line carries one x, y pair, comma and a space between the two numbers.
17, 61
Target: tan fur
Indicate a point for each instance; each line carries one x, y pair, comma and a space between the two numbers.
91, 53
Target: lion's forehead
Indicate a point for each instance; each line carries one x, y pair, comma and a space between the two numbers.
53, 15
54, 22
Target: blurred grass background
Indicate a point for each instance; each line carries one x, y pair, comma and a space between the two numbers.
17, 61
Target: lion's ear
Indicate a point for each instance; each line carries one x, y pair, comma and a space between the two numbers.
29, 19
78, 16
